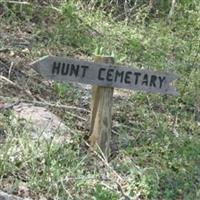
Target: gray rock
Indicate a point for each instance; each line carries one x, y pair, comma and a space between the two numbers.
41, 123
5, 196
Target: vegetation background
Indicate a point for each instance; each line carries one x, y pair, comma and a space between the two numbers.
158, 153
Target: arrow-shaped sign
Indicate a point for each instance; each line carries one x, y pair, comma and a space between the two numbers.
108, 75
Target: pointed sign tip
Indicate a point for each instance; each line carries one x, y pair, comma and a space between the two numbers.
36, 63
176, 93
173, 91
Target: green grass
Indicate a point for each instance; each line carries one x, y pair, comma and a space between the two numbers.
159, 136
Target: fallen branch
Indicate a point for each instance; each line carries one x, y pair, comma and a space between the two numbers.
3, 50
8, 106
56, 105
17, 86
39, 103
16, 2
8, 98
76, 116
126, 197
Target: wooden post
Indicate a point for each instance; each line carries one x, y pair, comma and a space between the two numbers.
101, 113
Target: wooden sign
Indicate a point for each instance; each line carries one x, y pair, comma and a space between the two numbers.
104, 75
107, 75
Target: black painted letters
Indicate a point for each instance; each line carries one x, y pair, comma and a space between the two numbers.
137, 74
120, 75
127, 77
145, 80
161, 79
100, 74
56, 68
109, 76
153, 81
84, 67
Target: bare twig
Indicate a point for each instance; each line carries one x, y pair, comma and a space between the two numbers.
109, 187
90, 27
116, 124
174, 126
8, 98
67, 191
115, 132
56, 105
74, 115
48, 104
17, 86
2, 50
172, 9
104, 160
80, 178
10, 69
16, 2
155, 115
119, 180
126, 197
129, 12
8, 106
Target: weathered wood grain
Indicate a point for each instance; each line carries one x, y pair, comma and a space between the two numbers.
101, 115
